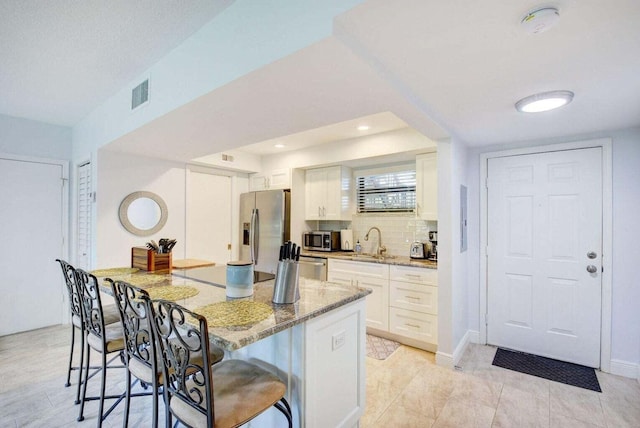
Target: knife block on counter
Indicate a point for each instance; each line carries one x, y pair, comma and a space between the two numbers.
146, 259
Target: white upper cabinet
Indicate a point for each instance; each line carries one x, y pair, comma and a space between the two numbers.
276, 179
427, 186
329, 193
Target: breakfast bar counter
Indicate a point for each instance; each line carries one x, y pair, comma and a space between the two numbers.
316, 345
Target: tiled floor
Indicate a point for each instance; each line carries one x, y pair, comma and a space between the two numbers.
405, 390
409, 390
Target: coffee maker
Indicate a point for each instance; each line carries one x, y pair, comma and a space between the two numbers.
433, 238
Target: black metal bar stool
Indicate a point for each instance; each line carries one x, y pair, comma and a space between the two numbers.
227, 394
110, 313
141, 358
99, 336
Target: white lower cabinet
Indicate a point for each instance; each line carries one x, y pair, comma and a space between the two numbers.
414, 325
367, 275
404, 302
413, 303
335, 376
414, 297
322, 361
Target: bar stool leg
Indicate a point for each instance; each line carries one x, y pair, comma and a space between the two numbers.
103, 385
73, 336
84, 383
127, 399
80, 366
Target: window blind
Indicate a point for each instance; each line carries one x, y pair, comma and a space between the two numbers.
83, 226
388, 192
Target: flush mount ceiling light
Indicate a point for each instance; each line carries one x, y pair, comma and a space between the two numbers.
363, 127
279, 146
540, 20
544, 101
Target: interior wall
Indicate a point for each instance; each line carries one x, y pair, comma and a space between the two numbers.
625, 338
444, 356
625, 335
121, 174
459, 259
32, 138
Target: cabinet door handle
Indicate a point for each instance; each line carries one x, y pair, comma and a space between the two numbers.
412, 325
324, 212
413, 275
319, 212
412, 297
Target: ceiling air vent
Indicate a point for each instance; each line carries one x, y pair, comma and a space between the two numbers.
140, 94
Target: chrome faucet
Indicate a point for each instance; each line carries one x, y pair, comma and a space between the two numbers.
381, 248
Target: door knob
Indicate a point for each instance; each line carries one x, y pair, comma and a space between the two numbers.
592, 269
592, 254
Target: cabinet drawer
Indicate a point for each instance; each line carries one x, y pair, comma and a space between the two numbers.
372, 270
415, 325
414, 297
413, 274
340, 278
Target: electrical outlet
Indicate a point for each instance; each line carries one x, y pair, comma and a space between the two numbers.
337, 340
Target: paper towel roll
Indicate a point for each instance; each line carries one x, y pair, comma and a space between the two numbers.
346, 240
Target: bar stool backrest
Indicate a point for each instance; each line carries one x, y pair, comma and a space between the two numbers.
69, 273
90, 304
183, 344
132, 305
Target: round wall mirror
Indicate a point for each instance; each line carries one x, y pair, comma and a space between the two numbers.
143, 213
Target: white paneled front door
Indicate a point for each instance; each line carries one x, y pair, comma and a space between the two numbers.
545, 254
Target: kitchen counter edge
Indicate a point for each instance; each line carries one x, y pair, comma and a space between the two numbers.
349, 255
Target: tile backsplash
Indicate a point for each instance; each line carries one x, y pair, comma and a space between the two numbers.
398, 231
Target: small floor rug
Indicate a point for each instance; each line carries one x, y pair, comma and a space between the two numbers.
547, 368
380, 348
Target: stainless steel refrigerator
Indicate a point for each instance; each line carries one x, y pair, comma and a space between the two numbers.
264, 227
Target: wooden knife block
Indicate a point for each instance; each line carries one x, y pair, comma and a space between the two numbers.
146, 259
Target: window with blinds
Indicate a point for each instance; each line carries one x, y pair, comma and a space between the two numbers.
388, 192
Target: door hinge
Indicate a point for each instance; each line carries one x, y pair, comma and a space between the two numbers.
229, 247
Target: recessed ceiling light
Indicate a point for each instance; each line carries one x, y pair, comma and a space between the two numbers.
279, 146
363, 127
540, 20
544, 101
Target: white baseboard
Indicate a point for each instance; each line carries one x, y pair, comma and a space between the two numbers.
625, 368
450, 361
474, 336
444, 360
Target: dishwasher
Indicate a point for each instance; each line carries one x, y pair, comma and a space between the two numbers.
313, 267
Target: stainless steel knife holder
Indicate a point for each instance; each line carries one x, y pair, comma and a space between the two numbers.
286, 289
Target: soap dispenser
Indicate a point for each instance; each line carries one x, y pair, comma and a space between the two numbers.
358, 247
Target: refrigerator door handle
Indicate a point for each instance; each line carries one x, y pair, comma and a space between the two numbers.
254, 233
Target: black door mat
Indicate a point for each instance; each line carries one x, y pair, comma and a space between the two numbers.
547, 368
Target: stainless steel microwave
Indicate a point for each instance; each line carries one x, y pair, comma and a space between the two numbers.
321, 240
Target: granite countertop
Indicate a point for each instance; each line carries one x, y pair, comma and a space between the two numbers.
316, 298
391, 260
